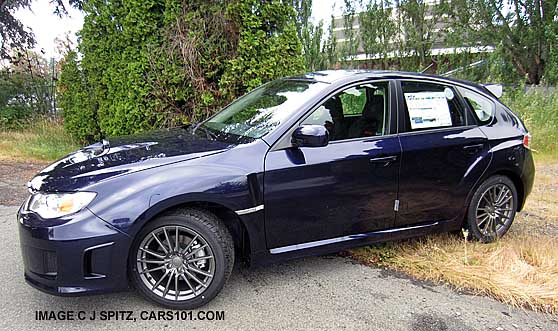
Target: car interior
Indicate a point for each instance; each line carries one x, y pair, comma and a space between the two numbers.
356, 112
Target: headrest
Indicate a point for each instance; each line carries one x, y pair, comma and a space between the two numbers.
335, 107
373, 107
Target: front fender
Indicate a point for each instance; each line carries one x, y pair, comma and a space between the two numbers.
127, 202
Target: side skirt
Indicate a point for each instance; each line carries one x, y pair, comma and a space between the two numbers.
333, 245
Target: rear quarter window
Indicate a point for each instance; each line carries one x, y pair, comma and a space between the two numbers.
483, 108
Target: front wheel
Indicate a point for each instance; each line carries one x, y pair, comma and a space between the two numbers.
492, 209
182, 260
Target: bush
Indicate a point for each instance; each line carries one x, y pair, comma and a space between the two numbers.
152, 64
538, 108
13, 116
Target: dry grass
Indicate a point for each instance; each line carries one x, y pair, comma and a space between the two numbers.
521, 269
43, 140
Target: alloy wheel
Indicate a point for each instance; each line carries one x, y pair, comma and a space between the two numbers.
494, 209
175, 262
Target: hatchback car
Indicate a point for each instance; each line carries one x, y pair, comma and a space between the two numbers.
302, 165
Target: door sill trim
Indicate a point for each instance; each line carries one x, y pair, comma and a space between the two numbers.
323, 242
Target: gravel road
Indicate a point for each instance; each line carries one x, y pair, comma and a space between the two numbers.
318, 293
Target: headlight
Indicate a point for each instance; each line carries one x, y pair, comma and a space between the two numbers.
59, 204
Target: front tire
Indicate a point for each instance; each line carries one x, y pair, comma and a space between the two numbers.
492, 209
181, 260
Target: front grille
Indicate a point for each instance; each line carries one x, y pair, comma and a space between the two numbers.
40, 261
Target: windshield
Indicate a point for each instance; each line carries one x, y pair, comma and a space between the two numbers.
257, 113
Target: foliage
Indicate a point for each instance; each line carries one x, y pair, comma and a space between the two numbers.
311, 37
417, 20
538, 108
378, 31
14, 36
268, 45
45, 140
149, 64
350, 46
25, 90
80, 117
513, 28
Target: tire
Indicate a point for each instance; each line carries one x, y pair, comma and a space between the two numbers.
189, 272
492, 209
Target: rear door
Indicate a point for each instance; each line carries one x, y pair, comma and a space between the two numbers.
347, 187
444, 152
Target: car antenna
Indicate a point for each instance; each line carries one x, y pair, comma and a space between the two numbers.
474, 64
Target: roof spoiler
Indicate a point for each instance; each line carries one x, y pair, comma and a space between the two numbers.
495, 89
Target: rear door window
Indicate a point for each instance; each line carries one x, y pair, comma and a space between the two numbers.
431, 106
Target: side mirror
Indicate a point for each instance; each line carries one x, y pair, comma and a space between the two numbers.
310, 136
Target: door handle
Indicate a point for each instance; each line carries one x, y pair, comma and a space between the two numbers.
473, 148
386, 160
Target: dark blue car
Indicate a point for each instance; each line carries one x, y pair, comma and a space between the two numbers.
300, 166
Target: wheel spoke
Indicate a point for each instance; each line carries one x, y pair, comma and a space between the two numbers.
152, 261
201, 272
194, 278
151, 270
482, 215
505, 195
167, 238
201, 258
160, 280
159, 242
487, 199
176, 286
190, 244
195, 250
176, 241
508, 198
167, 287
152, 253
482, 221
189, 285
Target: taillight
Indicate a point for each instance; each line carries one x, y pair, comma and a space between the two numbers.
527, 140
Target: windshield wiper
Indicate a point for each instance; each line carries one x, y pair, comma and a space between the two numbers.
208, 133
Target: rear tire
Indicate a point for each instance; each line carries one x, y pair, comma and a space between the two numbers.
492, 209
182, 259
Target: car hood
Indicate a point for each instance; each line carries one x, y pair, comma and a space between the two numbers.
122, 155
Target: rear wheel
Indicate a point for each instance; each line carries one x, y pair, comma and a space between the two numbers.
182, 260
492, 209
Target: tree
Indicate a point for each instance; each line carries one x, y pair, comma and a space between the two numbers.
523, 32
311, 37
379, 31
351, 42
268, 45
150, 64
417, 21
78, 108
25, 89
14, 34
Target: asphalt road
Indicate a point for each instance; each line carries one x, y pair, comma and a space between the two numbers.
313, 293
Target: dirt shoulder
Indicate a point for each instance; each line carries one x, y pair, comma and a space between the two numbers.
13, 179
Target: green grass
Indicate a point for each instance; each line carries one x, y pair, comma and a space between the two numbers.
42, 139
539, 111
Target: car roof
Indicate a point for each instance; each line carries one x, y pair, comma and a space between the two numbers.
346, 75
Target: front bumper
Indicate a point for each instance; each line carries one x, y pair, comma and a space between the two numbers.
73, 256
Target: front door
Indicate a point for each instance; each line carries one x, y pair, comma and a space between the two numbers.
347, 187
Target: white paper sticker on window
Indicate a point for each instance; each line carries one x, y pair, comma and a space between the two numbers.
428, 110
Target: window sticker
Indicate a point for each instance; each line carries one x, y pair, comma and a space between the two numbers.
449, 93
428, 110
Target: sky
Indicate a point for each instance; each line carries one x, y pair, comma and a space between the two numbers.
47, 26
